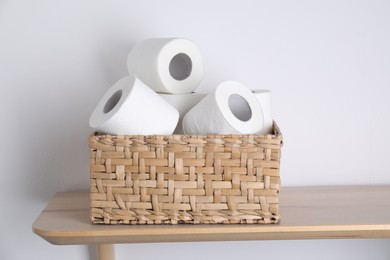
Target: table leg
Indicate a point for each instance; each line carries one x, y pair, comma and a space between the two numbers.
106, 252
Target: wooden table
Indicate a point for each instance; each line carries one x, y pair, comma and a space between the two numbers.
307, 213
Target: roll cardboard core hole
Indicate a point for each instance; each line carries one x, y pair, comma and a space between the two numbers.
112, 101
240, 107
180, 66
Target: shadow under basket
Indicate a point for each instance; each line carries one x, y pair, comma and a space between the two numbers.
177, 179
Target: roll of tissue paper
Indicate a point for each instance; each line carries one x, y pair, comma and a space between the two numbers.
183, 103
130, 107
217, 113
264, 98
167, 65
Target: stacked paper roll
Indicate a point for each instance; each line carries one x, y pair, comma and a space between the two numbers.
263, 96
173, 68
159, 97
183, 103
167, 65
130, 107
216, 113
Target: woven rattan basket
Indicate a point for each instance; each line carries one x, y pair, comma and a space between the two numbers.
185, 179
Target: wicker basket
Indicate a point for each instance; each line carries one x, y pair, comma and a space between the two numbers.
185, 179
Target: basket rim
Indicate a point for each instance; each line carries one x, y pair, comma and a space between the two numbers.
277, 134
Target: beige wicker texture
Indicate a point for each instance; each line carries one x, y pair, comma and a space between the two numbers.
185, 179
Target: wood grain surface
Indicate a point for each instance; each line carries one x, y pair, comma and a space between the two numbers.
306, 213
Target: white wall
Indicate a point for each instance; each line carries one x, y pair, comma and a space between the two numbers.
326, 62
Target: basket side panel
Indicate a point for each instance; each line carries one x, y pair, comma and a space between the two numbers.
185, 179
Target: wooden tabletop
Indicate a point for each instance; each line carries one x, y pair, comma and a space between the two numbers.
307, 213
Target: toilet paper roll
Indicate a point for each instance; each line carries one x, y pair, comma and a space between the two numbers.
183, 103
130, 107
264, 98
217, 113
167, 65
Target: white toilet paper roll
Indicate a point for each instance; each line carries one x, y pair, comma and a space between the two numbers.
217, 113
167, 65
264, 98
183, 103
130, 107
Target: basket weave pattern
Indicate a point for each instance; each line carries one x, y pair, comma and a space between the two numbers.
185, 179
